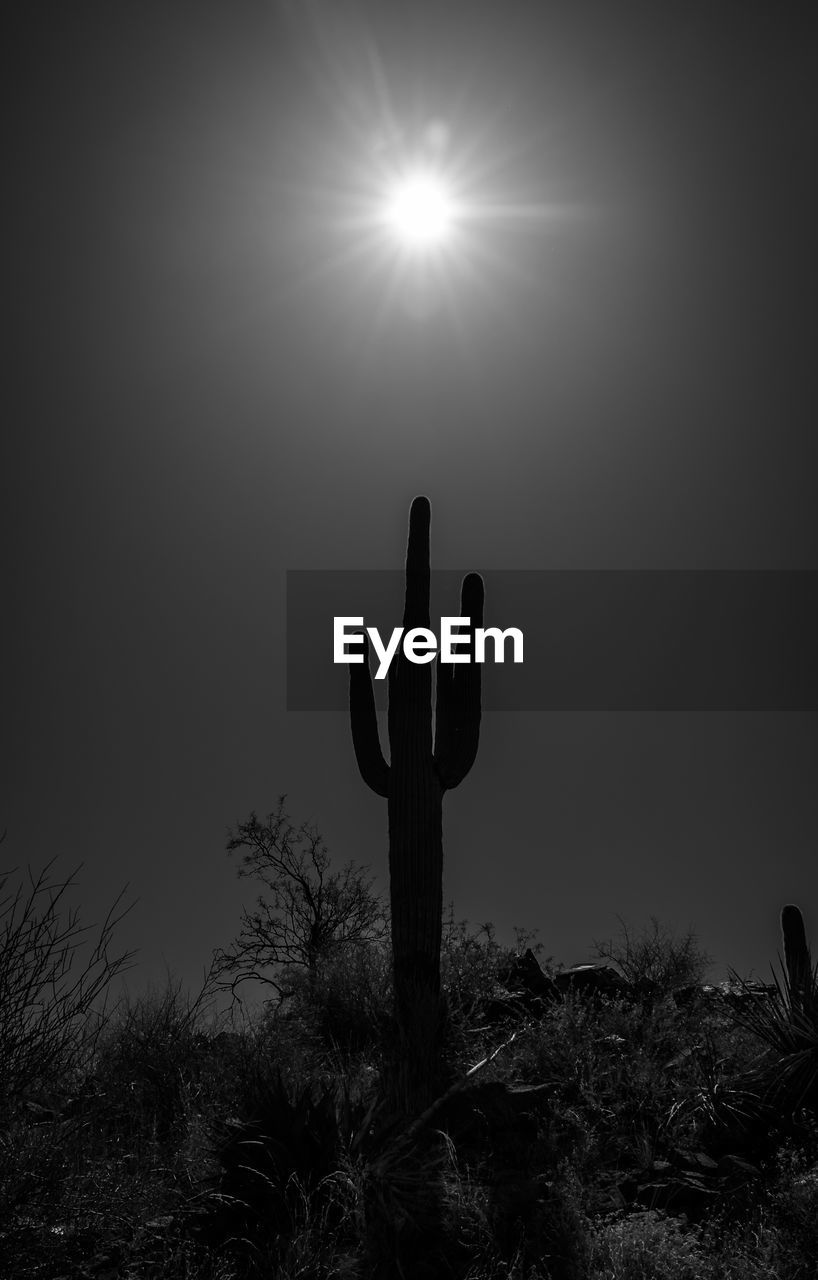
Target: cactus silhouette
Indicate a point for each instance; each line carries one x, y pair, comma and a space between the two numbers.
797, 958
419, 772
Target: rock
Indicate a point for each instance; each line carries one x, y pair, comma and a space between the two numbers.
592, 980
524, 974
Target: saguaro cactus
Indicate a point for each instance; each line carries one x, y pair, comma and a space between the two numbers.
797, 958
419, 772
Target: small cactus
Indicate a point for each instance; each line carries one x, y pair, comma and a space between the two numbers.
797, 958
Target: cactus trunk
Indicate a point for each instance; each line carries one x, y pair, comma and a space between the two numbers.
416, 899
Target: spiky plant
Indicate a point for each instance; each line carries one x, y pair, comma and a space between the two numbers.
786, 1021
282, 1168
420, 770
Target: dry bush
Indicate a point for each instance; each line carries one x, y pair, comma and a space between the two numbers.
55, 974
656, 957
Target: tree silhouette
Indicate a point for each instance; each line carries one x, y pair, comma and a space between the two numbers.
306, 913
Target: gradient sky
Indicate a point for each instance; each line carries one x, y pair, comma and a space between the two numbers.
209, 384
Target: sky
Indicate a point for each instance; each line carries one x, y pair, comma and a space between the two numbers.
215, 376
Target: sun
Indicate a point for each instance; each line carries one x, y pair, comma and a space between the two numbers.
412, 215
420, 211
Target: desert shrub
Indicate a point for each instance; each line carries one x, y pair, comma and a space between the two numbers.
609, 1067
466, 1206
656, 958
54, 978
509, 1224
557, 1237
73, 1202
647, 1246
792, 1209
34, 1160
150, 1068
776, 1235
286, 1192
775, 1238
472, 962
347, 1004
469, 960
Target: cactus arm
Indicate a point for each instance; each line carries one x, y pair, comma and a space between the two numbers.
457, 719
364, 722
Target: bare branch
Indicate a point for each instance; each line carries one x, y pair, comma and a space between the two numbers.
54, 978
306, 913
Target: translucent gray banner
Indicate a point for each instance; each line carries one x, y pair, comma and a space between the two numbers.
595, 640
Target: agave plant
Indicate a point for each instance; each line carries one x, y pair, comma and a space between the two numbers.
786, 1021
724, 1103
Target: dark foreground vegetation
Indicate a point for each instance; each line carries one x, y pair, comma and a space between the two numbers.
612, 1128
